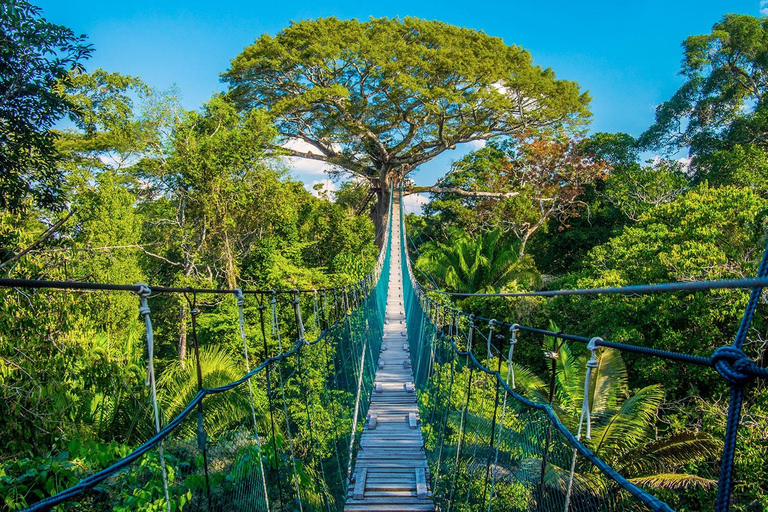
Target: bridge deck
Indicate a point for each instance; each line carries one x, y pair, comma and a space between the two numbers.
391, 471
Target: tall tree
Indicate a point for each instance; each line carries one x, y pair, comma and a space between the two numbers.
379, 98
723, 99
34, 56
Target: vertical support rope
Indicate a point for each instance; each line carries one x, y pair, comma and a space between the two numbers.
493, 422
297, 313
353, 437
553, 355
513, 333
725, 483
262, 307
202, 437
486, 379
332, 406
316, 310
585, 413
276, 328
144, 292
240, 299
307, 403
447, 399
464, 412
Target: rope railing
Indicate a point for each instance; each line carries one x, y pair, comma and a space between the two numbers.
636, 289
136, 288
558, 470
349, 321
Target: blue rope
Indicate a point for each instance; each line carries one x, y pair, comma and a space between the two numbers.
755, 283
730, 363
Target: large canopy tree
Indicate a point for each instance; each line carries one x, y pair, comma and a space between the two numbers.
379, 98
35, 56
723, 99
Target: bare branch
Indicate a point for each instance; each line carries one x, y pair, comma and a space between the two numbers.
459, 191
50, 231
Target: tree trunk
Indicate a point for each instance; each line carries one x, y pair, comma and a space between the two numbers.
183, 336
380, 212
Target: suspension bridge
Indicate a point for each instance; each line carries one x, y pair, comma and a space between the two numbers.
378, 396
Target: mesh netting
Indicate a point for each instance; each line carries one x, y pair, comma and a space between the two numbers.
283, 437
488, 447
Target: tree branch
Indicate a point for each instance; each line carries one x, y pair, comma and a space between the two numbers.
459, 191
45, 236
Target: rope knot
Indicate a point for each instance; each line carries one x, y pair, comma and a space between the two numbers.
513, 330
240, 297
144, 290
144, 310
733, 365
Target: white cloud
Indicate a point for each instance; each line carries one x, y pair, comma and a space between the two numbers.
413, 203
474, 145
305, 147
307, 166
763, 7
685, 162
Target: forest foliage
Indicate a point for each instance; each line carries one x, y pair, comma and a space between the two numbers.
138, 189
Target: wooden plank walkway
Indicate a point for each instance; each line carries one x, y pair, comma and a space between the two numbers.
391, 471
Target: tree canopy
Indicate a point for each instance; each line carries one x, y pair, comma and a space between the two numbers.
723, 99
34, 56
379, 98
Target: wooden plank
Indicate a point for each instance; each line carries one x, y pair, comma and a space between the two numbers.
360, 476
421, 484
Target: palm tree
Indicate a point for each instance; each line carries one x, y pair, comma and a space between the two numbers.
469, 265
178, 386
623, 432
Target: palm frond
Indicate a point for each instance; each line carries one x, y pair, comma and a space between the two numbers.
669, 452
570, 377
533, 386
674, 481
625, 429
608, 381
178, 386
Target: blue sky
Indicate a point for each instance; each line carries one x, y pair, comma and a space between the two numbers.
626, 54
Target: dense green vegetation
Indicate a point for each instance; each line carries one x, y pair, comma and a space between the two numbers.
140, 190
625, 222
